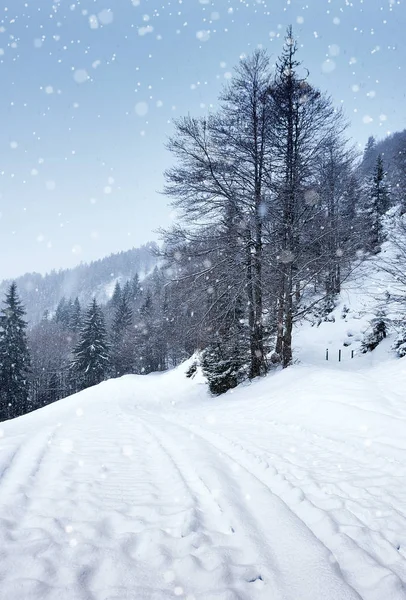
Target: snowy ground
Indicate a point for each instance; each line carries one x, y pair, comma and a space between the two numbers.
292, 487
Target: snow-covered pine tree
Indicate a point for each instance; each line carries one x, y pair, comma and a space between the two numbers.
377, 203
369, 156
127, 290
14, 358
63, 313
123, 339
400, 343
225, 360
136, 289
123, 316
378, 334
148, 337
90, 363
351, 218
75, 316
117, 294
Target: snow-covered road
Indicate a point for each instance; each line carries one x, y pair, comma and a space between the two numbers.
291, 488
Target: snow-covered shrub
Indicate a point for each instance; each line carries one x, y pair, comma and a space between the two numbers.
378, 333
221, 371
400, 344
191, 372
323, 311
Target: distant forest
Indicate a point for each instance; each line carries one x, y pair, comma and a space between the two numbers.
41, 293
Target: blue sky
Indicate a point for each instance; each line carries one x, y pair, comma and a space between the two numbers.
90, 88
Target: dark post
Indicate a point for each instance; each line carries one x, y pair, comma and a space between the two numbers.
327, 354
339, 356
352, 353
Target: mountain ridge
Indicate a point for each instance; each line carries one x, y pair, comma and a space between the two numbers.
41, 293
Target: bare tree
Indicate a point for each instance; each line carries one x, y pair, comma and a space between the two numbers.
220, 185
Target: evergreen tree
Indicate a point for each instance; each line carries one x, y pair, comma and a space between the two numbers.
90, 362
379, 332
14, 358
350, 217
122, 354
123, 316
380, 191
400, 343
225, 360
75, 315
377, 204
127, 291
136, 289
369, 156
147, 337
63, 313
115, 300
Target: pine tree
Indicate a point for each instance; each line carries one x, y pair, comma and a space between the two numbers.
75, 316
127, 290
148, 337
400, 343
116, 295
136, 289
380, 192
224, 361
369, 155
123, 343
15, 361
63, 312
90, 362
379, 332
377, 204
123, 317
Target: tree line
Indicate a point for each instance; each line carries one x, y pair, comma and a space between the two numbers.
41, 292
74, 348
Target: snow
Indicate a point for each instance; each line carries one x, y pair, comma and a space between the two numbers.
292, 487
144, 487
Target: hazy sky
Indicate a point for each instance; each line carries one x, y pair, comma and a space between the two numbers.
89, 89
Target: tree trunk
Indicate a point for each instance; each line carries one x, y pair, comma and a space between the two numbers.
287, 335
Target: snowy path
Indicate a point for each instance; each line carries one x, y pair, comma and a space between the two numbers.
143, 488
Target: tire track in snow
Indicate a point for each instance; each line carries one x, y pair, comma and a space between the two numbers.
364, 571
387, 545
19, 474
266, 539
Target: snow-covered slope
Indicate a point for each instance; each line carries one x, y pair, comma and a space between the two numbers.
292, 487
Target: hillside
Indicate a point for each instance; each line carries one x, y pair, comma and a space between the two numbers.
43, 292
